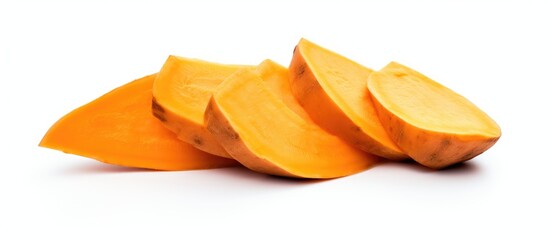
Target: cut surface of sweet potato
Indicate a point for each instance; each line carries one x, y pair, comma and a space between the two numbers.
181, 93
119, 128
333, 91
250, 118
431, 123
276, 77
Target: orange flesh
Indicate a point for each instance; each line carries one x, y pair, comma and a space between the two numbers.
181, 93
118, 128
333, 90
276, 77
251, 119
434, 125
423, 102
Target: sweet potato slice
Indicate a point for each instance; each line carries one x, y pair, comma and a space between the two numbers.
250, 118
181, 93
432, 124
332, 89
118, 128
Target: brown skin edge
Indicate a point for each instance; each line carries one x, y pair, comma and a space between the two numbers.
435, 150
310, 95
221, 129
200, 137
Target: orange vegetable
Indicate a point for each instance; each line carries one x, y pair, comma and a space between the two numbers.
118, 128
332, 89
434, 125
257, 124
181, 93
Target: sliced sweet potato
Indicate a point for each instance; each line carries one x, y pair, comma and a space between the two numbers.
431, 123
181, 93
118, 128
332, 89
253, 122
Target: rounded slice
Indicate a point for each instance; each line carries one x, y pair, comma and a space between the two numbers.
118, 128
253, 123
181, 93
333, 91
432, 124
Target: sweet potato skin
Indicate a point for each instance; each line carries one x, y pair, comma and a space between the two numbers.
432, 149
188, 131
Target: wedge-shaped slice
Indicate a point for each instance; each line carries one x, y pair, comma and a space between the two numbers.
118, 128
333, 90
434, 125
181, 93
252, 121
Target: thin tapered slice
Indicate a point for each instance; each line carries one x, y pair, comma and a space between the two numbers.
118, 128
181, 93
250, 118
431, 123
333, 90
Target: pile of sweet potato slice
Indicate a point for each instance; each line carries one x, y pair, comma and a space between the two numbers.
325, 116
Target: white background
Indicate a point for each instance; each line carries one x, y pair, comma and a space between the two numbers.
56, 56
